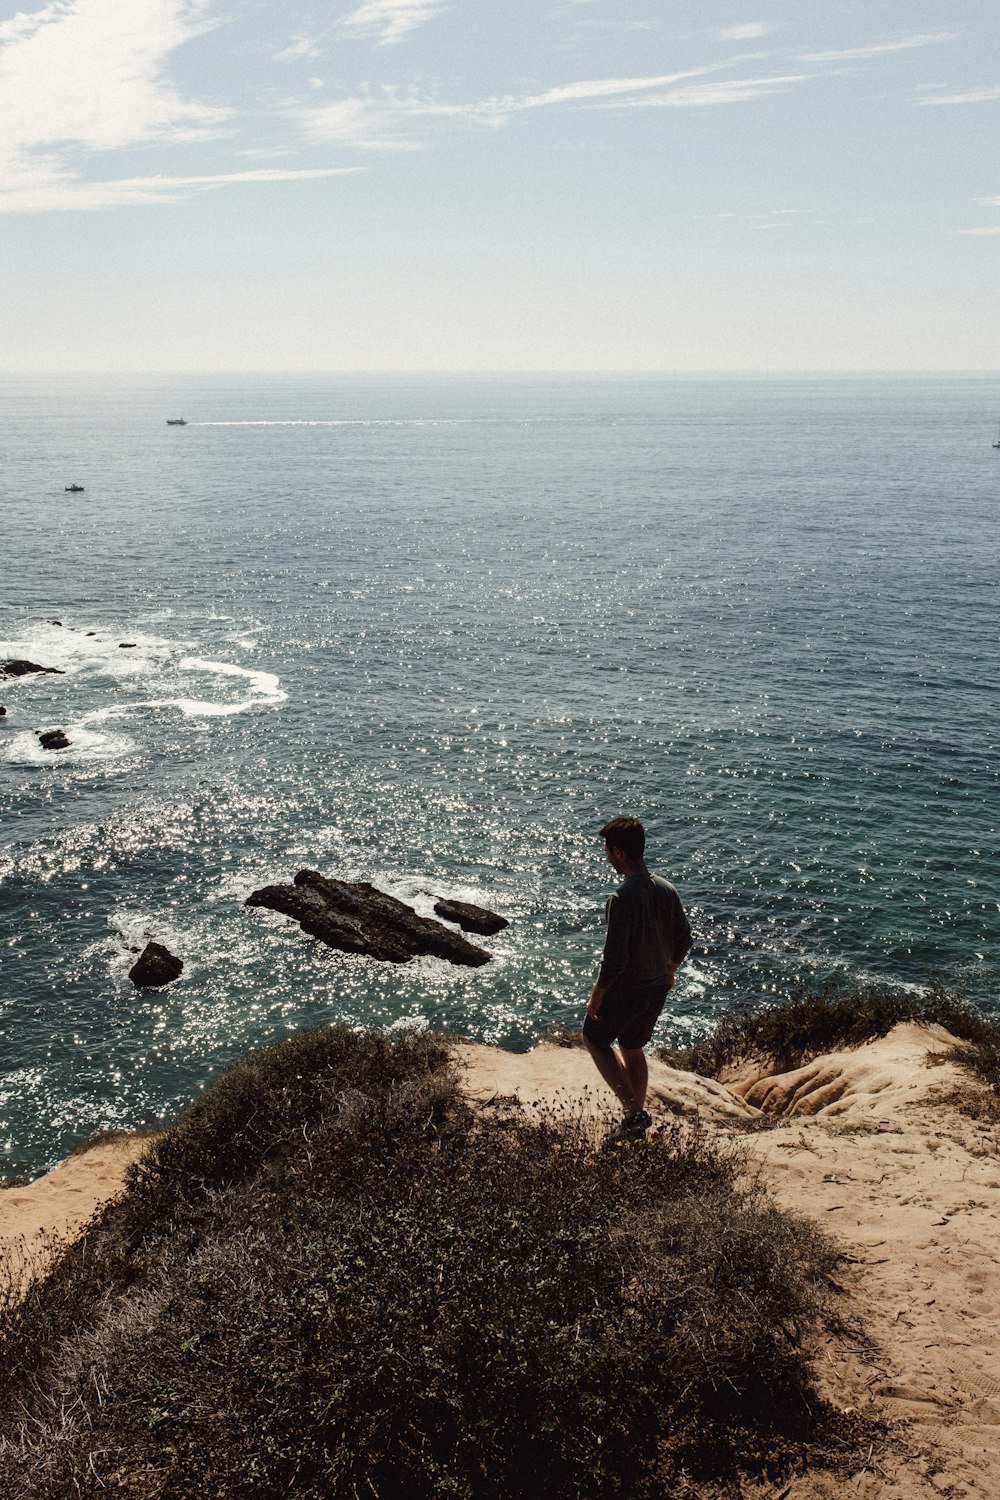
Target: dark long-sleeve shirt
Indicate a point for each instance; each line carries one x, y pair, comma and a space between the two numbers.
648, 933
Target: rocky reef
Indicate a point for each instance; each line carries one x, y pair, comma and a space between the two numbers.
14, 667
53, 739
155, 966
355, 917
471, 918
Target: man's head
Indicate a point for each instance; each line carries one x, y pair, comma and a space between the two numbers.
625, 835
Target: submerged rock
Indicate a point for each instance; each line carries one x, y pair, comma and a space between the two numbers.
53, 739
355, 917
155, 966
471, 918
22, 668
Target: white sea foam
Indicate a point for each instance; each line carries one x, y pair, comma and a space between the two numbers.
407, 1025
74, 650
130, 931
329, 422
265, 688
125, 658
377, 422
85, 747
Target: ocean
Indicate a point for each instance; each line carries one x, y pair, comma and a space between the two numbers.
432, 632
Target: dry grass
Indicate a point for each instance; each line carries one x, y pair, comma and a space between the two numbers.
563, 1036
332, 1278
109, 1138
791, 1033
975, 1101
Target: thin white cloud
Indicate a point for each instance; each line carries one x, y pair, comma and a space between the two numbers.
391, 121
49, 190
596, 88
878, 49
990, 229
390, 20
299, 47
747, 33
722, 91
971, 96
374, 123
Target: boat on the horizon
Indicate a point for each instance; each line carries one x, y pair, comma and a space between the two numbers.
74, 489
996, 440
176, 422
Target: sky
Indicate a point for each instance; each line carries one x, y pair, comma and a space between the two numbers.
536, 185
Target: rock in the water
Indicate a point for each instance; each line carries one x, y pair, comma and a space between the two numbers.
356, 918
53, 739
22, 668
126, 645
3, 712
155, 966
471, 918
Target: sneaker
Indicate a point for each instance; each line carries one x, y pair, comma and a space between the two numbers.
632, 1128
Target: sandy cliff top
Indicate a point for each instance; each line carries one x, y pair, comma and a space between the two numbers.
866, 1143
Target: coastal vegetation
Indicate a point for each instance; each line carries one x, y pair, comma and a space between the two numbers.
332, 1277
814, 1022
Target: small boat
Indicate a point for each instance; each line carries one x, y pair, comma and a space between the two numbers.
176, 422
74, 489
996, 440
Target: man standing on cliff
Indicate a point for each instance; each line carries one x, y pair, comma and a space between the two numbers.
648, 939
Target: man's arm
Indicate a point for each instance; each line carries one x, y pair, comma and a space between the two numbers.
681, 939
594, 1003
616, 945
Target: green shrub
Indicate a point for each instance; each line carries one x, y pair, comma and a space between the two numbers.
332, 1279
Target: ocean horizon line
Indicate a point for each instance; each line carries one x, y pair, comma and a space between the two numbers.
504, 373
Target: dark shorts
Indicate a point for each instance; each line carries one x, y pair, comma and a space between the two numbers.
628, 1016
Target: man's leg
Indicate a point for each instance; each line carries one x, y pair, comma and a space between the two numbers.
637, 1072
617, 1077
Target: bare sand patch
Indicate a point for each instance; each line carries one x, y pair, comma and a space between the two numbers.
62, 1202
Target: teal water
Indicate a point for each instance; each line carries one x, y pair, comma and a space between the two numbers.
432, 633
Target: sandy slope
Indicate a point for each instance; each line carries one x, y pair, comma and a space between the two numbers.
63, 1201
911, 1190
866, 1146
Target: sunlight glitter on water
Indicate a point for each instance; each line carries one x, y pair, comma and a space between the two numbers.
437, 652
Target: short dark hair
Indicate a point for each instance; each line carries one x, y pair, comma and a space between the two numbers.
626, 834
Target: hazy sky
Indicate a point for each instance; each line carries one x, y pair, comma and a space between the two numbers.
499, 184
